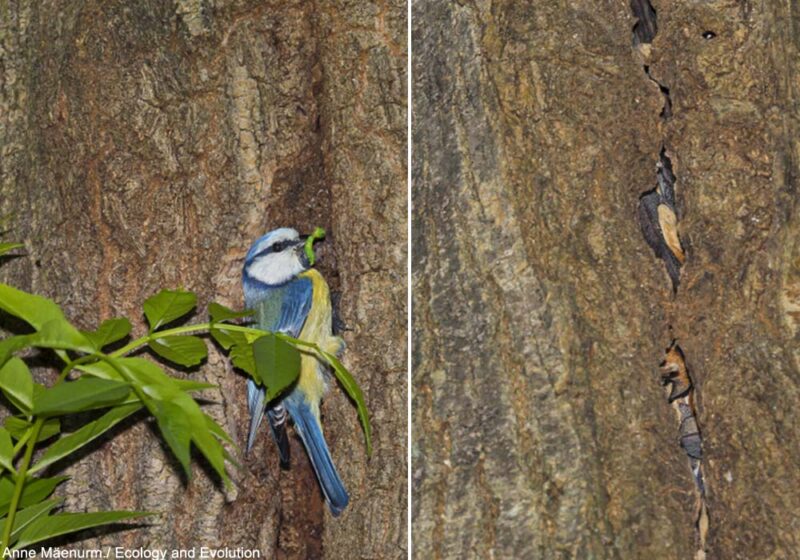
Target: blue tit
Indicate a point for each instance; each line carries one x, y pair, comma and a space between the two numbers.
289, 296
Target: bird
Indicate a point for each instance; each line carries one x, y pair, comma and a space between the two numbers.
290, 297
659, 222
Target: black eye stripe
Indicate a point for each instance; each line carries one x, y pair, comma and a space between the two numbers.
281, 245
274, 248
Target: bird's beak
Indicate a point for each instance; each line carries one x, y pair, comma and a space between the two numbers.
300, 247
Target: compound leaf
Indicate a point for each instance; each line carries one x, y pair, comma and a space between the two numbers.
168, 305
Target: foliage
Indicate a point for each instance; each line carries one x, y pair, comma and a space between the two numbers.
118, 385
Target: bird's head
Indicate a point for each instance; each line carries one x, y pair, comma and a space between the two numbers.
276, 258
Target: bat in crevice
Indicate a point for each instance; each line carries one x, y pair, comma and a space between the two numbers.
675, 375
659, 221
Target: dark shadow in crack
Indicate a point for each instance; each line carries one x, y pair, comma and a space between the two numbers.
645, 28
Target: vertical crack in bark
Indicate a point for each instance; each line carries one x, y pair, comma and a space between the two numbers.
645, 28
659, 222
666, 111
658, 218
681, 395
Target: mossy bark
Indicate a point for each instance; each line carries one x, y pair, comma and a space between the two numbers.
145, 145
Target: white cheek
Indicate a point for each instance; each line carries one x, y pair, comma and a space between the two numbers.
276, 268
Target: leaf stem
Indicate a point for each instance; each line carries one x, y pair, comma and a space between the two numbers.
32, 436
22, 473
21, 443
199, 327
350, 386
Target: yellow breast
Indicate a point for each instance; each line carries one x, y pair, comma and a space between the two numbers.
317, 329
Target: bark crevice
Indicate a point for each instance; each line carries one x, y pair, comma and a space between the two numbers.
659, 218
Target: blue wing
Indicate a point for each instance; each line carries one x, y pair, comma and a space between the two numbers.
278, 309
295, 308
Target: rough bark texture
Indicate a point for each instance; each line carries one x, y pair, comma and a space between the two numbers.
540, 314
145, 145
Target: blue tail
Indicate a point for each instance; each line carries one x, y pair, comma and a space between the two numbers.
307, 425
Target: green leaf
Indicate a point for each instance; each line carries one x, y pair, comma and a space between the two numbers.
10, 345
37, 489
217, 430
108, 332
145, 374
168, 305
182, 350
91, 431
354, 391
6, 451
32, 309
6, 247
242, 357
58, 333
222, 337
16, 383
34, 491
177, 431
84, 394
188, 386
222, 435
18, 427
103, 370
156, 375
208, 444
277, 364
178, 415
181, 422
25, 516
220, 313
51, 526
241, 350
228, 338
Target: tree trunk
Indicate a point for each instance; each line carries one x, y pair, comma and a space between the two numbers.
145, 145
540, 313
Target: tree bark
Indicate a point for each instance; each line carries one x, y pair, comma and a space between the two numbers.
540, 429
144, 146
